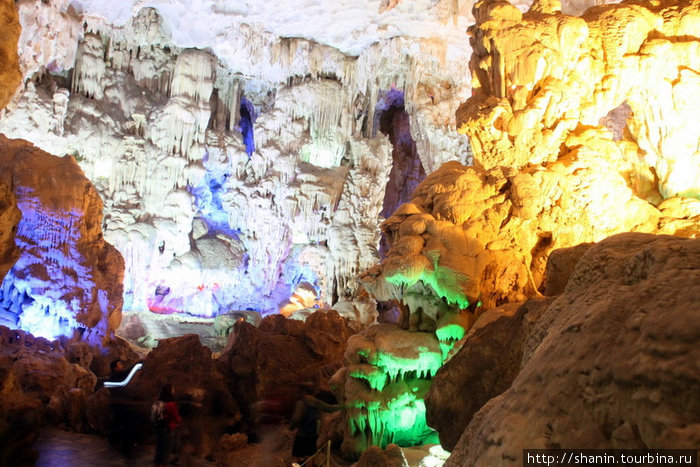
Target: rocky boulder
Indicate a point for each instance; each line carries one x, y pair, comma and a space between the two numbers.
609, 363
67, 280
276, 358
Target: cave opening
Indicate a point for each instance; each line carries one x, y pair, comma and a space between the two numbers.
406, 169
247, 112
406, 172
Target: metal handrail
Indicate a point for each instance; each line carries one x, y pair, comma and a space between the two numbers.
121, 384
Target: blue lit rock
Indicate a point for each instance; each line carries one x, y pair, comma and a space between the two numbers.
67, 280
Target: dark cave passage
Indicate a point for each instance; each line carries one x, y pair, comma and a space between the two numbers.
406, 169
246, 125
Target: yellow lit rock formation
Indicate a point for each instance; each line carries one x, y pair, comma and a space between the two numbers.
581, 127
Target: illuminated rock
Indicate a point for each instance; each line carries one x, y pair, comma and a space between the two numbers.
560, 159
276, 357
67, 280
386, 376
10, 76
231, 178
609, 363
541, 76
562, 153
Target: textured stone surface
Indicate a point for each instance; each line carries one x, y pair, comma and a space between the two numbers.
9, 218
560, 265
566, 151
472, 234
540, 78
482, 369
611, 363
67, 279
276, 358
10, 76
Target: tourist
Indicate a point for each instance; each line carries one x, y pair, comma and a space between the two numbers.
166, 418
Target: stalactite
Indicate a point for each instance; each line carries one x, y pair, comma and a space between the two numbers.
89, 68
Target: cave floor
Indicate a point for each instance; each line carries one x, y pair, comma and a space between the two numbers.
59, 448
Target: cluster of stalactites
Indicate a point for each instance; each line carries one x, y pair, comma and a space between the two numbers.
387, 375
540, 77
89, 67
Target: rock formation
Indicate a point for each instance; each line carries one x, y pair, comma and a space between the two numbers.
566, 152
542, 79
548, 172
611, 362
231, 179
10, 75
276, 358
39, 383
67, 280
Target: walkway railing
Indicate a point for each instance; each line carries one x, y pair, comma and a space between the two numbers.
326, 448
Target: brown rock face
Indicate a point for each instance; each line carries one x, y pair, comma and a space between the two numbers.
272, 360
67, 278
611, 363
481, 370
9, 218
37, 385
206, 405
10, 76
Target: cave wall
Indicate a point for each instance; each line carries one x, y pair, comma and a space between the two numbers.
607, 363
10, 76
196, 212
67, 279
561, 123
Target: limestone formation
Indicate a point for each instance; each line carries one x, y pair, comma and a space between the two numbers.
67, 280
275, 359
609, 363
541, 78
566, 152
229, 179
563, 152
10, 76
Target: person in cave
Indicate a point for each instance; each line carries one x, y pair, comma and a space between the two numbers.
167, 419
117, 372
306, 420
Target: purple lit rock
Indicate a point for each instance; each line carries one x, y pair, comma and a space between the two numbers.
67, 280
